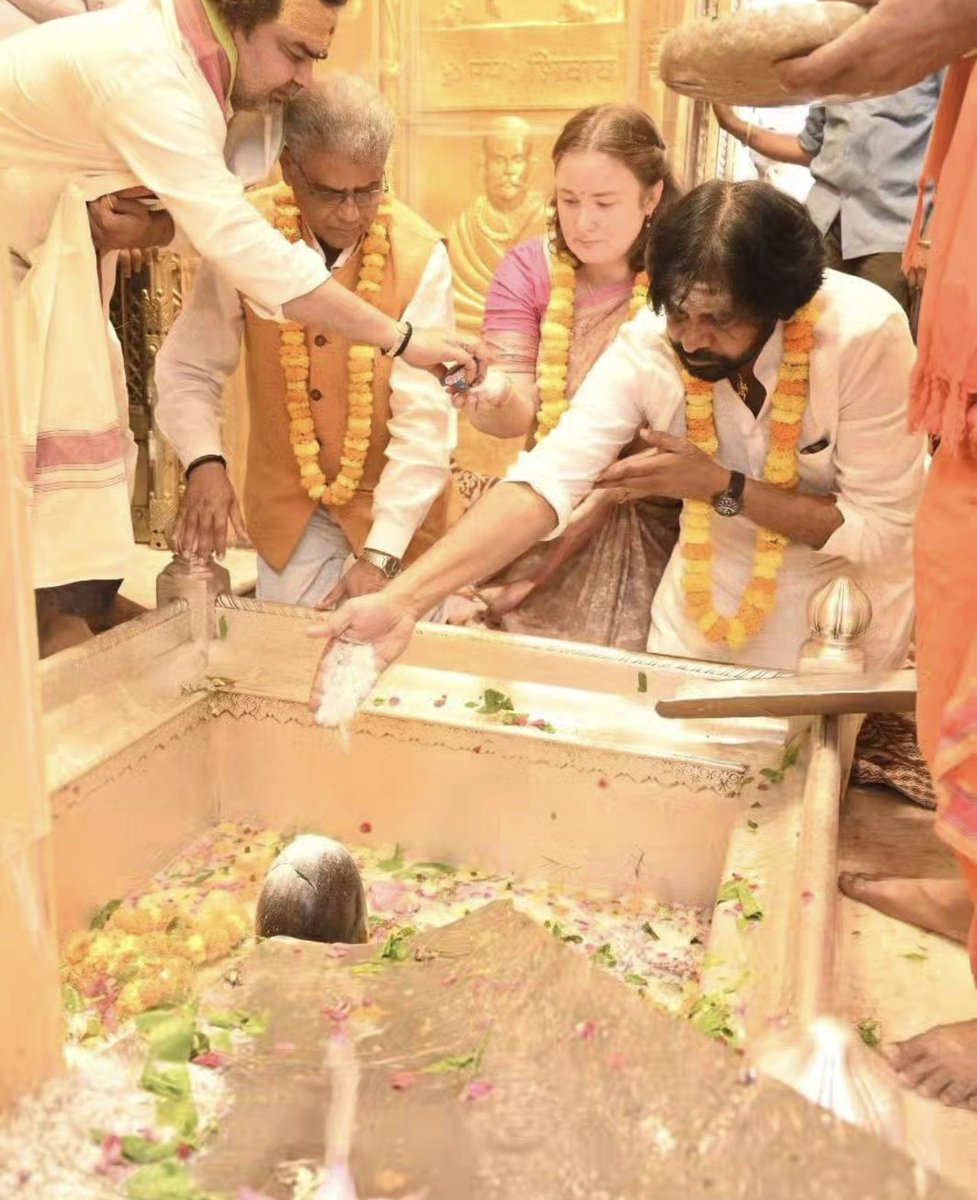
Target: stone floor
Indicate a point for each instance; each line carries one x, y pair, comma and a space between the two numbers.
905, 979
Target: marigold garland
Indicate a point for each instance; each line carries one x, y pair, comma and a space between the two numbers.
788, 404
147, 951
556, 334
295, 360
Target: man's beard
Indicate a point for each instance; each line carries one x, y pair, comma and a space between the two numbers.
713, 367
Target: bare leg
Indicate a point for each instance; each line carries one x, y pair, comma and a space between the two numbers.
940, 1064
942, 906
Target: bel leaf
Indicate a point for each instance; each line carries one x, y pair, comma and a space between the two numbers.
395, 948
169, 1033
163, 1181
494, 702
146, 1150
170, 1082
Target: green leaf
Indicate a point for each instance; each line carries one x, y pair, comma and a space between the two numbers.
741, 892
169, 1033
72, 999
367, 968
457, 1062
145, 1150
642, 682
870, 1031
605, 956
379, 701
221, 1041
637, 980
394, 863
253, 1024
180, 1113
917, 955
395, 947
471, 704
712, 1016
172, 1083
163, 1181
222, 628
426, 869
649, 929
494, 702
100, 919
557, 930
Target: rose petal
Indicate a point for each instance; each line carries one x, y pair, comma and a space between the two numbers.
587, 1030
211, 1058
366, 827
478, 1089
400, 1081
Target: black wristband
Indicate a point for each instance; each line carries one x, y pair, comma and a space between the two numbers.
406, 342
205, 458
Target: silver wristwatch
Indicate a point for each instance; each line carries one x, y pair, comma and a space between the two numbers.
387, 563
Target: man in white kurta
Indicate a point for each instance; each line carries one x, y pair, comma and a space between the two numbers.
860, 451
141, 95
338, 137
730, 265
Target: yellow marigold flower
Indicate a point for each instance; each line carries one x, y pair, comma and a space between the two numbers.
366, 286
366, 352
736, 634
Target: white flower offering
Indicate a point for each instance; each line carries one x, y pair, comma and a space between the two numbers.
349, 673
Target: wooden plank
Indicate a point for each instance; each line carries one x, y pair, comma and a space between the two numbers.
796, 695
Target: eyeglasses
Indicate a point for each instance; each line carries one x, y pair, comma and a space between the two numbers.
330, 197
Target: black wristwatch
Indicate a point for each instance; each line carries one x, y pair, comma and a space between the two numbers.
729, 502
389, 564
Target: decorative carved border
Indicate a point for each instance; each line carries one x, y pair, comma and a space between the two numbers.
70, 795
682, 771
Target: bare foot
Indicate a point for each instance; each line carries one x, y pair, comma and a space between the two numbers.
940, 1064
940, 905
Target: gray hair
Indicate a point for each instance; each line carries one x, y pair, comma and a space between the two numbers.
340, 114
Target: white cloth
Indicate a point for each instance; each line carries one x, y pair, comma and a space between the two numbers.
17, 15
116, 91
316, 566
203, 348
858, 404
73, 406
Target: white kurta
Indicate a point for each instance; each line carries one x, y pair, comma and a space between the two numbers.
204, 346
858, 407
117, 91
90, 104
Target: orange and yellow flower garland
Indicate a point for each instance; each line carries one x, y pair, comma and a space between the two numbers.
295, 363
556, 333
789, 403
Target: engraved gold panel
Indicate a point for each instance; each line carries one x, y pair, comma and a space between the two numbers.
503, 68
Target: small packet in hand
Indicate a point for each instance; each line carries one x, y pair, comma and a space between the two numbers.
349, 673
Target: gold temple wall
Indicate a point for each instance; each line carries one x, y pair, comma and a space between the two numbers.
481, 88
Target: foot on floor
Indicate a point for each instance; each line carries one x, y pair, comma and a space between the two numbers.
940, 1064
942, 906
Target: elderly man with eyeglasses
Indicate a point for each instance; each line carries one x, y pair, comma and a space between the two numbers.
349, 452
